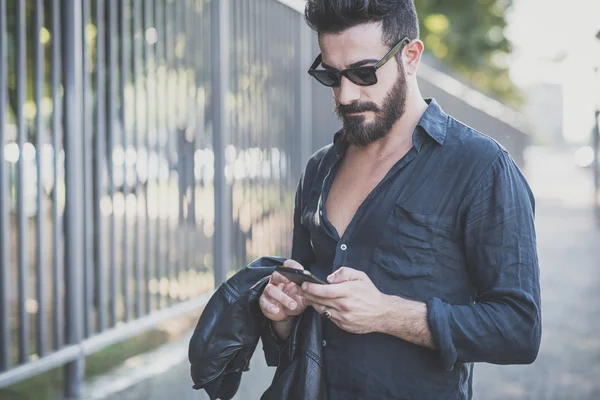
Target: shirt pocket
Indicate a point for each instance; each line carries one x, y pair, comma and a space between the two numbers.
409, 246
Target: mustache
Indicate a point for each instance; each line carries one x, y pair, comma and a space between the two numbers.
343, 109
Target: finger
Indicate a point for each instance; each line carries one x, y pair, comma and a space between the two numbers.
318, 302
277, 278
278, 295
324, 291
345, 274
292, 264
268, 305
301, 300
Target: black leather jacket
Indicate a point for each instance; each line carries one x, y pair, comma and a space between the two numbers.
228, 332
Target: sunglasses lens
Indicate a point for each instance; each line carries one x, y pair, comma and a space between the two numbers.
327, 78
363, 77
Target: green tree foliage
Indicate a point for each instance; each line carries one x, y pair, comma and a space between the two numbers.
468, 36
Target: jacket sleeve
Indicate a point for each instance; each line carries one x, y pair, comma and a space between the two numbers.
503, 324
303, 253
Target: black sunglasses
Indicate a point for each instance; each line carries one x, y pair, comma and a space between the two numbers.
362, 76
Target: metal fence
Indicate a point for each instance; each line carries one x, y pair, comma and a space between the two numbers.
150, 148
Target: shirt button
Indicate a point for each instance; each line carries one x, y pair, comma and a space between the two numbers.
343, 247
324, 343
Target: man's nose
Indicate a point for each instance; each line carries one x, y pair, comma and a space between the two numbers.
348, 92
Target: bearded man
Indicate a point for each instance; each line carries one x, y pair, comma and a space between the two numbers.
422, 226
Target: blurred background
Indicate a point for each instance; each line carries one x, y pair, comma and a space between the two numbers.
151, 149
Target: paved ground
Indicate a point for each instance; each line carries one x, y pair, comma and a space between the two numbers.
568, 366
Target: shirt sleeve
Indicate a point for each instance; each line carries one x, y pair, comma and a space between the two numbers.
503, 324
303, 253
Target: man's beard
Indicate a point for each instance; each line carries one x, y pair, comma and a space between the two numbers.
360, 133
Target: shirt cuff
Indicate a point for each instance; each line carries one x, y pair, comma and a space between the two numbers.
437, 318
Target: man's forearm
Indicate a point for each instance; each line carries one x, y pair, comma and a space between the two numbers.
407, 320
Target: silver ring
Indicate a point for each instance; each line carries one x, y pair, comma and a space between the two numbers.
326, 313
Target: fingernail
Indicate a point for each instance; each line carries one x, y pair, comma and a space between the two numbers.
304, 286
293, 305
331, 278
274, 310
294, 290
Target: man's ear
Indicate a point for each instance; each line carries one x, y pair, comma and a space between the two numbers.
411, 55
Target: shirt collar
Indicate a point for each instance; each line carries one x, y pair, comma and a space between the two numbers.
433, 123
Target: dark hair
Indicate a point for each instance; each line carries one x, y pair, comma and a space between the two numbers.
398, 17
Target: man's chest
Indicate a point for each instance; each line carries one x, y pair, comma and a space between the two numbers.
349, 190
404, 231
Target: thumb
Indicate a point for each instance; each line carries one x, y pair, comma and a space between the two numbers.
345, 274
292, 264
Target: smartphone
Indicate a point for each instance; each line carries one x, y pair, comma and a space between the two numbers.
299, 276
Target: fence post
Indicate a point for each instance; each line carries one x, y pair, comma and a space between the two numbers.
4, 233
220, 117
72, 75
305, 87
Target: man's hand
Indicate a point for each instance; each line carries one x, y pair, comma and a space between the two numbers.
282, 298
353, 301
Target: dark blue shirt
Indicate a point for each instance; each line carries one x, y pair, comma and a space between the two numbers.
450, 225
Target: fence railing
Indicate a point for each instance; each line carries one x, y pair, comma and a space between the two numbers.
150, 148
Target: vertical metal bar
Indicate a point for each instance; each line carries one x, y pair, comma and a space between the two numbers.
252, 102
285, 26
23, 262
247, 138
269, 134
259, 103
160, 117
288, 131
193, 53
72, 72
235, 119
199, 74
220, 82
264, 135
124, 14
138, 37
58, 244
147, 59
305, 91
282, 137
171, 114
184, 127
288, 138
4, 254
100, 155
189, 124
86, 148
112, 94
39, 144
